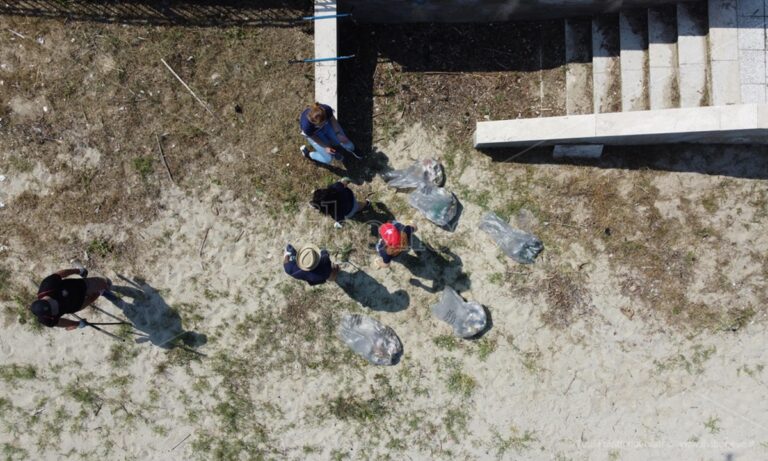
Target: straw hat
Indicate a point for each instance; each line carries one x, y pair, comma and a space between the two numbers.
308, 257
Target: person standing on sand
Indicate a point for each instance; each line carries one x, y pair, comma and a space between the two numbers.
395, 239
59, 295
337, 201
324, 134
310, 264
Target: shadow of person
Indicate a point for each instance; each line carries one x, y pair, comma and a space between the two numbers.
370, 293
375, 215
150, 314
365, 169
440, 268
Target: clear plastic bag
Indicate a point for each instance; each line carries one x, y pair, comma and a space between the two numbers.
428, 171
370, 339
518, 245
435, 203
466, 318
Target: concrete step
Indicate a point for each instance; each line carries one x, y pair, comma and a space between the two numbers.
692, 51
606, 65
633, 37
553, 69
752, 50
724, 51
662, 57
737, 123
578, 67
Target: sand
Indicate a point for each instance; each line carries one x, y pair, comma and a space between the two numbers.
614, 384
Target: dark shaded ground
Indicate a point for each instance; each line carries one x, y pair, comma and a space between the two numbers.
206, 13
448, 76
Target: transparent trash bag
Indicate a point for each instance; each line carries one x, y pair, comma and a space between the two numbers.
370, 339
518, 245
428, 171
466, 318
435, 203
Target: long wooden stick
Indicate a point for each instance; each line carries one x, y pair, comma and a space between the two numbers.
162, 156
205, 106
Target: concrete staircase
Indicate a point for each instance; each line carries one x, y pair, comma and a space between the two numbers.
653, 61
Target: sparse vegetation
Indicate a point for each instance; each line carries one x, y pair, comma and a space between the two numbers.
712, 424
516, 441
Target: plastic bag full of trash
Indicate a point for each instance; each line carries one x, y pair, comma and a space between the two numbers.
370, 339
518, 245
435, 203
428, 171
466, 318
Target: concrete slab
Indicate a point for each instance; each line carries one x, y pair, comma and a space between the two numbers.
634, 90
326, 45
723, 30
694, 91
752, 67
578, 72
751, 33
606, 66
726, 87
578, 151
549, 129
633, 37
753, 94
692, 33
662, 37
736, 123
722, 14
663, 90
751, 8
578, 82
662, 58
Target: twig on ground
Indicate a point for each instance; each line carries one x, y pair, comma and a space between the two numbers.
162, 156
182, 441
16, 34
570, 384
205, 106
239, 235
205, 238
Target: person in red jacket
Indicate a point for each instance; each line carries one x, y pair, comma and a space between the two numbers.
59, 294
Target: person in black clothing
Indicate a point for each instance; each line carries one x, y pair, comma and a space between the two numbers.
59, 295
337, 201
309, 264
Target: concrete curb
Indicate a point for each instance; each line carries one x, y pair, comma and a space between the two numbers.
736, 124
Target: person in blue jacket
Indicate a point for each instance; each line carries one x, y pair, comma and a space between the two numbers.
324, 134
309, 264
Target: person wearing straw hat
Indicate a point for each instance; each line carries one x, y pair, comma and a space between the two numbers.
310, 264
59, 295
395, 239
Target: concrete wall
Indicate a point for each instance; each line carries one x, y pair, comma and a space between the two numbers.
734, 124
481, 10
326, 46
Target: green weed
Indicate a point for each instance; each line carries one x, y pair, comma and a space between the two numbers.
144, 165
712, 424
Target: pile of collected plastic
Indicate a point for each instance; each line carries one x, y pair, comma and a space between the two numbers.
435, 203
427, 178
370, 339
518, 245
428, 171
466, 318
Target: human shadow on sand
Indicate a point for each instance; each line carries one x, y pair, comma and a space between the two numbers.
150, 314
370, 293
441, 268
